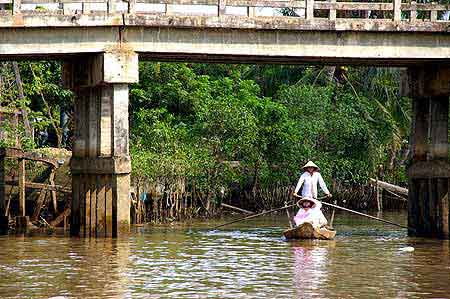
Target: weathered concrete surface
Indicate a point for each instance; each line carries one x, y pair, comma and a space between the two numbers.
429, 170
289, 46
197, 39
40, 19
101, 164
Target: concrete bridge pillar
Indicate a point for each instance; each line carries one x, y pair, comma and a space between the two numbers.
101, 163
429, 170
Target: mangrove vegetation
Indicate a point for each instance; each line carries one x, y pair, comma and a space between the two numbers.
238, 133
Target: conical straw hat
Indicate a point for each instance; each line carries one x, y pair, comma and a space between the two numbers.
316, 203
311, 164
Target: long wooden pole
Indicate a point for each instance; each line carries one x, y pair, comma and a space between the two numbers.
332, 216
260, 214
254, 216
362, 214
325, 203
291, 225
365, 215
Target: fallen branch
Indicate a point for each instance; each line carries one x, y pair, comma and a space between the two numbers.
60, 217
396, 195
236, 208
390, 187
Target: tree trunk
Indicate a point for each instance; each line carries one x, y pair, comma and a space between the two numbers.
26, 122
58, 131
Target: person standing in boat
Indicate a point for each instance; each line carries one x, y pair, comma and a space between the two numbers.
310, 210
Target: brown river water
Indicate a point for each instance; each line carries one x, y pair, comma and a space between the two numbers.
247, 260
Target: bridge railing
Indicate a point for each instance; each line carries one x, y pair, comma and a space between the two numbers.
397, 10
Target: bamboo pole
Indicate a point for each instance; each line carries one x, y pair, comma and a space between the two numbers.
332, 216
254, 216
260, 214
291, 225
364, 215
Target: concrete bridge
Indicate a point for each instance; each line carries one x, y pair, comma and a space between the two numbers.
101, 42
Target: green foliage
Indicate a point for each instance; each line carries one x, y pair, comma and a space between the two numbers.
10, 134
214, 124
44, 96
241, 126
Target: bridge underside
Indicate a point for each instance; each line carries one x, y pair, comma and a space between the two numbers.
101, 59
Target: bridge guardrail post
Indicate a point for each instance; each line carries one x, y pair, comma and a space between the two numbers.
251, 11
413, 12
111, 6
221, 6
332, 15
433, 13
309, 9
131, 6
397, 10
16, 7
168, 9
64, 8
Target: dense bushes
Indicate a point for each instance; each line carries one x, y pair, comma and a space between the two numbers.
239, 127
214, 126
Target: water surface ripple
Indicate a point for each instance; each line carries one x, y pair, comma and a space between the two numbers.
247, 260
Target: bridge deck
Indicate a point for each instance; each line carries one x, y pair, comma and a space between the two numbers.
396, 32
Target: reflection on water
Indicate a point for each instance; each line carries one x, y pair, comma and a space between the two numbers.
248, 260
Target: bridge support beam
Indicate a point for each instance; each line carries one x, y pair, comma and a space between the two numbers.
100, 163
429, 170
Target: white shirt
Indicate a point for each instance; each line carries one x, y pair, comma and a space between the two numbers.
313, 216
309, 183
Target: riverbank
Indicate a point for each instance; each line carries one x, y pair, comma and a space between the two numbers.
47, 193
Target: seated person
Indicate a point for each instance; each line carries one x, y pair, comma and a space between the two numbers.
310, 212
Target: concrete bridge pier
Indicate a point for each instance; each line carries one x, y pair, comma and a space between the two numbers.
429, 170
101, 163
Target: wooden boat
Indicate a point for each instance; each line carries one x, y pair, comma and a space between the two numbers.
307, 231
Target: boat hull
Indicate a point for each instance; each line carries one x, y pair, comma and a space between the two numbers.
306, 231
